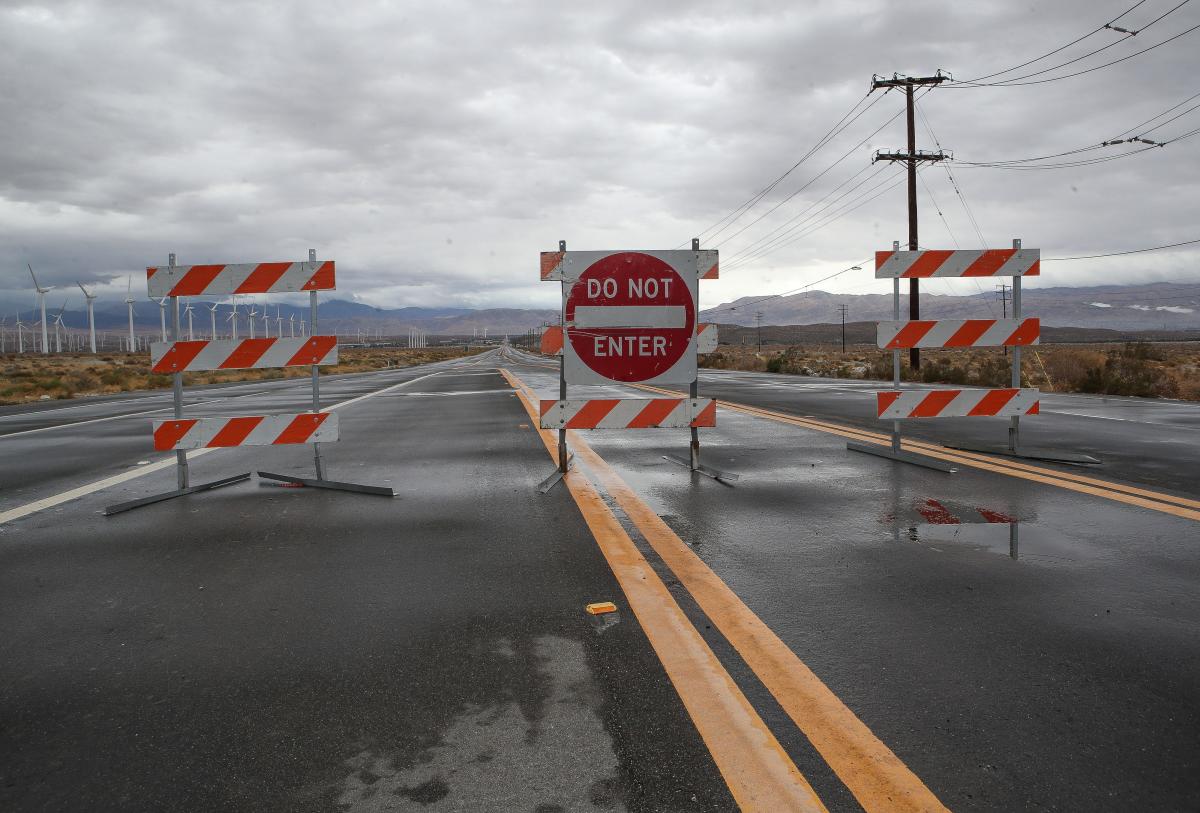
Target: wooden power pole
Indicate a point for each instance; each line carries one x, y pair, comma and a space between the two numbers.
912, 157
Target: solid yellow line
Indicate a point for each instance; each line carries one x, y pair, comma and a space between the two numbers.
1117, 492
875, 775
759, 773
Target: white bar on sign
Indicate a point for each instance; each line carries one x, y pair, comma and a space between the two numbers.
601, 316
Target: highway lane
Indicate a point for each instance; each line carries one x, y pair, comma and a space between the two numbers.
269, 648
55, 449
262, 648
1149, 441
1046, 659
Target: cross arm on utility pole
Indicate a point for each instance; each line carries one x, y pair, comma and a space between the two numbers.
898, 81
918, 155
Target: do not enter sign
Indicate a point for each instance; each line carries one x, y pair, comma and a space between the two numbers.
631, 317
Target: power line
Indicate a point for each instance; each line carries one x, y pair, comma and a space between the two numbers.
1059, 49
1121, 253
813, 179
762, 245
1018, 82
733, 216
763, 238
856, 267
1152, 118
1128, 34
807, 229
767, 243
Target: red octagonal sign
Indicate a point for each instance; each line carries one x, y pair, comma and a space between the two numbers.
631, 317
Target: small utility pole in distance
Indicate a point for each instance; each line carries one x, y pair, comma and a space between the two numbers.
1003, 290
912, 157
842, 309
758, 316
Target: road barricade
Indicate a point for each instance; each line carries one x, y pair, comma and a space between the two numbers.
1014, 402
177, 357
629, 317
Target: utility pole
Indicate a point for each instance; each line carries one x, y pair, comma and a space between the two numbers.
1004, 295
842, 308
912, 157
758, 316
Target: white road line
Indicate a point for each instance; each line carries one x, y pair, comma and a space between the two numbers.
1170, 426
134, 414
125, 476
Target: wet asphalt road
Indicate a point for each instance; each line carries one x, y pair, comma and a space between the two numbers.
289, 649
268, 648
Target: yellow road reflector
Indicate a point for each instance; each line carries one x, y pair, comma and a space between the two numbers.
601, 607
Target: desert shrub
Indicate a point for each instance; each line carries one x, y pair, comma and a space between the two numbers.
1129, 371
1067, 367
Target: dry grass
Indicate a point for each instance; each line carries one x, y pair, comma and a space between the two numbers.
32, 377
1160, 370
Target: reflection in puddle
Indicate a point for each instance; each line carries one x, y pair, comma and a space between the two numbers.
931, 523
993, 536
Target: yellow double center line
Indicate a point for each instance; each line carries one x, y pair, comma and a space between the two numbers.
757, 770
1182, 507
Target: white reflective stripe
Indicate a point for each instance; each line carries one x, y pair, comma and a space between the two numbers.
1020, 262
706, 339
612, 316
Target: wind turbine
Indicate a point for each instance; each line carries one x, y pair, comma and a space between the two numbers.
188, 310
20, 334
266, 323
292, 324
3, 335
58, 324
233, 317
162, 316
250, 318
41, 298
212, 312
278, 323
91, 316
129, 304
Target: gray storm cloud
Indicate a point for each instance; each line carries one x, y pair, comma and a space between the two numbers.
434, 149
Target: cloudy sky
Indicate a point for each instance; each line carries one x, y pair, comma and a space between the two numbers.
433, 149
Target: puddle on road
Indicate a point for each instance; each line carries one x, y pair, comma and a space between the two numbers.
494, 757
946, 526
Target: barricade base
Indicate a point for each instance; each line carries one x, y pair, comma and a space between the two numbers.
719, 476
1032, 453
553, 480
902, 456
170, 495
357, 488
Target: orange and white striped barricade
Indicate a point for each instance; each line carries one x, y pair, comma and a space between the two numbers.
629, 413
177, 357
629, 317
898, 405
1017, 332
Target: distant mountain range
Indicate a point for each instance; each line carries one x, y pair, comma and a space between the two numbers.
1153, 306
